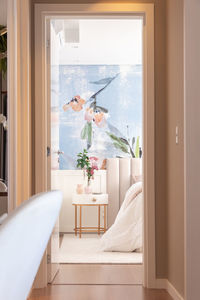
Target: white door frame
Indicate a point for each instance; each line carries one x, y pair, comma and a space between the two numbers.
44, 11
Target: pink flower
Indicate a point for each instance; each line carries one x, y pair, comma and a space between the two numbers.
94, 162
95, 168
94, 158
89, 114
76, 104
66, 106
100, 119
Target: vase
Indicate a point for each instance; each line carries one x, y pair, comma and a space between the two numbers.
79, 189
88, 188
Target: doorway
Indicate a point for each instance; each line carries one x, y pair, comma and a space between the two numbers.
96, 104
148, 165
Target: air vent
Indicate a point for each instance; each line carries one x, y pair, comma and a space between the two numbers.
71, 31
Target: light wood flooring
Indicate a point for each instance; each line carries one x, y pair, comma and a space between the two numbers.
99, 274
98, 292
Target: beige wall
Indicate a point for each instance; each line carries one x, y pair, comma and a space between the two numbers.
160, 121
3, 12
175, 152
192, 145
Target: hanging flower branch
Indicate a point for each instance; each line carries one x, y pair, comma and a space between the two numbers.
94, 114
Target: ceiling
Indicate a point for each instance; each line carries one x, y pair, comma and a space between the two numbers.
96, 41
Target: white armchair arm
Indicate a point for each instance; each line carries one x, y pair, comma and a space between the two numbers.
24, 235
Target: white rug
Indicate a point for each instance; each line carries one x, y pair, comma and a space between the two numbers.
86, 250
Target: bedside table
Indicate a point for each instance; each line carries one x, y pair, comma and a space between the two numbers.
99, 200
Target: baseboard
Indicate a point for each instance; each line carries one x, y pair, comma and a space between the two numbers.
173, 292
165, 284
161, 283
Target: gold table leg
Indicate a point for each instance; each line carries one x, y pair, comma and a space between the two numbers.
75, 219
104, 218
80, 221
99, 222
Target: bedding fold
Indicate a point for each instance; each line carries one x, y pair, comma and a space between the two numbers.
125, 235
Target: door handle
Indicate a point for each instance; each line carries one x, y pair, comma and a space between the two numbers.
48, 151
59, 152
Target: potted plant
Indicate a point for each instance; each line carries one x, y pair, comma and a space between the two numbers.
88, 165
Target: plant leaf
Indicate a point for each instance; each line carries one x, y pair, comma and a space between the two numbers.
113, 137
114, 130
123, 147
131, 151
133, 141
117, 139
89, 133
124, 141
102, 81
107, 84
137, 148
84, 132
119, 142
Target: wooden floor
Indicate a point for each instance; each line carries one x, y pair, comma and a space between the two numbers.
98, 292
103, 274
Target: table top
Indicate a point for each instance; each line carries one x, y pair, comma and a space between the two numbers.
90, 199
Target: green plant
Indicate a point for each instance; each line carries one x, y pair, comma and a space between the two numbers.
83, 161
3, 50
124, 145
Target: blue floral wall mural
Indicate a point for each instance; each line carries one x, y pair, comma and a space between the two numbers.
100, 109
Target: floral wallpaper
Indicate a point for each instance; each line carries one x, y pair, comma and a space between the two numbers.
99, 108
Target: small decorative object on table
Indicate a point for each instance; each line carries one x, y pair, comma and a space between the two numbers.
88, 165
79, 189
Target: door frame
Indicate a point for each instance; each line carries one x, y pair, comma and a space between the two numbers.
42, 13
19, 103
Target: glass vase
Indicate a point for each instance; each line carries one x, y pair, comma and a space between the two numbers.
88, 188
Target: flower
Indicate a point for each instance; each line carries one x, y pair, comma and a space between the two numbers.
93, 162
94, 165
89, 114
94, 158
88, 164
66, 106
76, 104
100, 119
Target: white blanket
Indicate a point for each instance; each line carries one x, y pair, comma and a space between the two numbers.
125, 235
